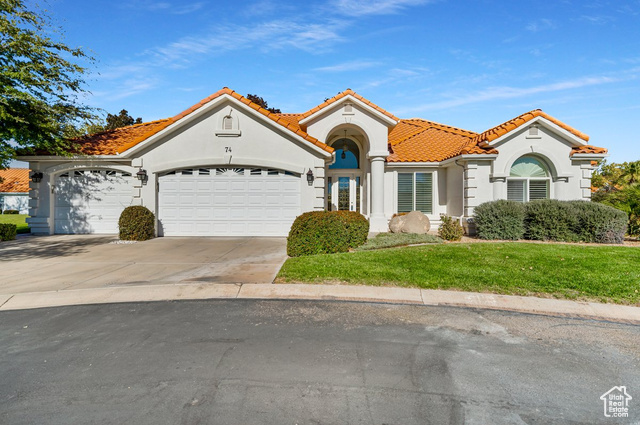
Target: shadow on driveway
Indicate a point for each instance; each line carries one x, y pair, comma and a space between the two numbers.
45, 247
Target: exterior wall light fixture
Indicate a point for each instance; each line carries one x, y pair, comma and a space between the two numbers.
36, 177
142, 176
310, 177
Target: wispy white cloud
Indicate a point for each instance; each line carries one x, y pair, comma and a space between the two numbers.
541, 25
267, 36
348, 66
164, 6
596, 19
505, 92
260, 8
373, 7
129, 87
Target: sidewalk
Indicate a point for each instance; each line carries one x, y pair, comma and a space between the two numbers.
613, 312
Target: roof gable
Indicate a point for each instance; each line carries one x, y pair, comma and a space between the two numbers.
342, 97
500, 130
120, 140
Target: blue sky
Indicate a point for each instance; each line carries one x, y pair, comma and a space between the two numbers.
470, 64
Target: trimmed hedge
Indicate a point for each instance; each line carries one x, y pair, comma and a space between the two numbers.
551, 220
8, 231
600, 223
503, 220
450, 229
136, 223
11, 212
326, 232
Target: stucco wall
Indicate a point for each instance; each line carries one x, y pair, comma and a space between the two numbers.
202, 143
569, 177
454, 190
375, 131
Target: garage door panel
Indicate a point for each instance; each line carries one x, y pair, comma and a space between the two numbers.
223, 202
90, 201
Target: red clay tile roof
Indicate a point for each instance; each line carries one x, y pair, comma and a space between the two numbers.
504, 128
418, 140
411, 140
14, 180
121, 139
588, 149
112, 142
340, 96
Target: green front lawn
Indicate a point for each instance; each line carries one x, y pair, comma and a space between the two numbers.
599, 273
17, 219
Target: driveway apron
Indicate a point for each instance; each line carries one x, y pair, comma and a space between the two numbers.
52, 263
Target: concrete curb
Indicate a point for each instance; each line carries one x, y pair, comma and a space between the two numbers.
612, 312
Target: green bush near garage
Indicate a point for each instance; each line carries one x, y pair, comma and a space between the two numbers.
500, 220
11, 212
136, 223
326, 232
8, 231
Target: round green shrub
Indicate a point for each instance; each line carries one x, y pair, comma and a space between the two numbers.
11, 212
8, 231
326, 232
450, 229
136, 223
501, 219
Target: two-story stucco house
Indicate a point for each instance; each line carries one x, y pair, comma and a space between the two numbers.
226, 166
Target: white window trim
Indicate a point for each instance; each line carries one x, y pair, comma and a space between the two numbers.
434, 188
526, 186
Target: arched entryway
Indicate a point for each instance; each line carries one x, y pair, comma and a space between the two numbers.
346, 176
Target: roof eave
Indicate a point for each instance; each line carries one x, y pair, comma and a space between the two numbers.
589, 155
413, 164
40, 158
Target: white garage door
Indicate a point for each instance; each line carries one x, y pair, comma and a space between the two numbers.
228, 202
91, 201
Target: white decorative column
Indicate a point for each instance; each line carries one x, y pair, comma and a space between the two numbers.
377, 220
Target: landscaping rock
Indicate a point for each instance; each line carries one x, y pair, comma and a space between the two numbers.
396, 224
416, 222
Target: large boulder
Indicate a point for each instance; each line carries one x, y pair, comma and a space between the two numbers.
414, 222
396, 224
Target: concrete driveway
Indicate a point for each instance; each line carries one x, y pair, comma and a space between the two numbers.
52, 263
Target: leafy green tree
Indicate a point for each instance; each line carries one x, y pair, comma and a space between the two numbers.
612, 176
98, 125
40, 83
123, 119
263, 103
619, 186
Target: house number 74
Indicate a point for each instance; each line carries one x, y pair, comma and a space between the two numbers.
227, 148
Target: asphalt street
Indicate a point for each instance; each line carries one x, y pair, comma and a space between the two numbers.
299, 362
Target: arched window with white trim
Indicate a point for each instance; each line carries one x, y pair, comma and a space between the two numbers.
528, 180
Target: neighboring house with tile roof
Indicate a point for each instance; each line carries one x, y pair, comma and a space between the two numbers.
226, 166
14, 190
